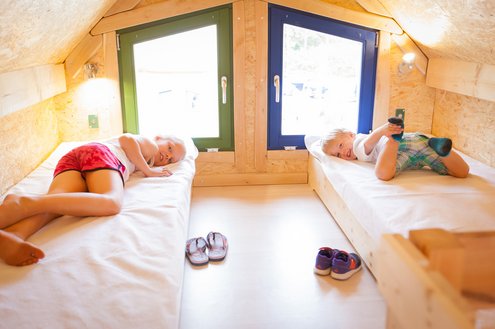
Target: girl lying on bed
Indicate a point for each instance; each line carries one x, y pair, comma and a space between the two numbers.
87, 181
393, 151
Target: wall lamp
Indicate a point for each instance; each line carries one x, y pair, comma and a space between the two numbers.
90, 70
407, 63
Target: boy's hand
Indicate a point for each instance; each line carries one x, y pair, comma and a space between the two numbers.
389, 129
158, 172
393, 129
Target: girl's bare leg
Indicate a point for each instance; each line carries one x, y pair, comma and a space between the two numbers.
70, 182
104, 197
456, 165
387, 159
15, 251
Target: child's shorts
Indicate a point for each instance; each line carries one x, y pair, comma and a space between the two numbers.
89, 157
414, 153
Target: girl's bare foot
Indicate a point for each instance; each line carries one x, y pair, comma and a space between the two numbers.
17, 252
12, 209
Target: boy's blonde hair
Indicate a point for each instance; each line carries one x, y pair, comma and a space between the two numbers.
331, 137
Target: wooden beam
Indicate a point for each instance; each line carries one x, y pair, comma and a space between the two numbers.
362, 241
296, 155
239, 85
375, 7
382, 89
444, 251
153, 12
417, 296
261, 112
86, 49
342, 14
250, 179
121, 6
218, 157
23, 88
111, 67
407, 45
466, 78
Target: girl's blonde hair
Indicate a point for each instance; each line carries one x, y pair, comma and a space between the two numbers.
174, 139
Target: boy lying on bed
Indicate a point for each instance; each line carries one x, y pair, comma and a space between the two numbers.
87, 181
393, 151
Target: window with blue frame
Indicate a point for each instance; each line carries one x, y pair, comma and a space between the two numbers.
322, 76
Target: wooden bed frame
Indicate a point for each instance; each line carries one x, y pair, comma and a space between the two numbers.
357, 235
417, 295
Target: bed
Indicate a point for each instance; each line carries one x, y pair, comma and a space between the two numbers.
378, 216
122, 271
366, 207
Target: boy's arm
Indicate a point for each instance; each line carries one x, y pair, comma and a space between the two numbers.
388, 129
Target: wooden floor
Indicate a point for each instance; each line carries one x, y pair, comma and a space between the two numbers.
267, 279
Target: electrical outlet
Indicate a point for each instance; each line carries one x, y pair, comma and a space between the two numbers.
93, 121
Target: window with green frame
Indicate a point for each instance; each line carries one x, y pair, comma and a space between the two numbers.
176, 78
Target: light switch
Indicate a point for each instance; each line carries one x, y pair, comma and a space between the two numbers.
93, 121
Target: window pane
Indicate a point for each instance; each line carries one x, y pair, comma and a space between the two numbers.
177, 83
321, 80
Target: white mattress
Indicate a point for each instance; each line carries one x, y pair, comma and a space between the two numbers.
122, 271
415, 199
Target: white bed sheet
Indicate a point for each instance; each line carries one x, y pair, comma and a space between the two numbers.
122, 271
415, 199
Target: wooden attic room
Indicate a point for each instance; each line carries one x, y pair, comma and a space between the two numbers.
251, 88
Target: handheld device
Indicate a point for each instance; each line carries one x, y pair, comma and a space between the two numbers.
398, 120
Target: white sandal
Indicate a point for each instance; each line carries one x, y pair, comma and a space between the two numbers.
196, 251
217, 245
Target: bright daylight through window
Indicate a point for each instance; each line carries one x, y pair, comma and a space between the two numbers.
322, 75
179, 94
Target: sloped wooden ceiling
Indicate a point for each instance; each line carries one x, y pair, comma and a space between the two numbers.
44, 32
38, 32
456, 29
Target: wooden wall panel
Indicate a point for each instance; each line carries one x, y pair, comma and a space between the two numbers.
261, 116
469, 122
120, 6
87, 48
153, 12
251, 60
239, 85
27, 87
90, 97
27, 137
36, 33
328, 9
382, 86
466, 78
408, 46
409, 91
111, 69
461, 29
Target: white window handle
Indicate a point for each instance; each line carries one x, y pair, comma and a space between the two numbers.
224, 89
276, 83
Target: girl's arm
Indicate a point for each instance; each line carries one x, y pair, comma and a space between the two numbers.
137, 149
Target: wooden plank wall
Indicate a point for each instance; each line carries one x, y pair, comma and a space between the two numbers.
27, 138
466, 119
251, 163
23, 88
